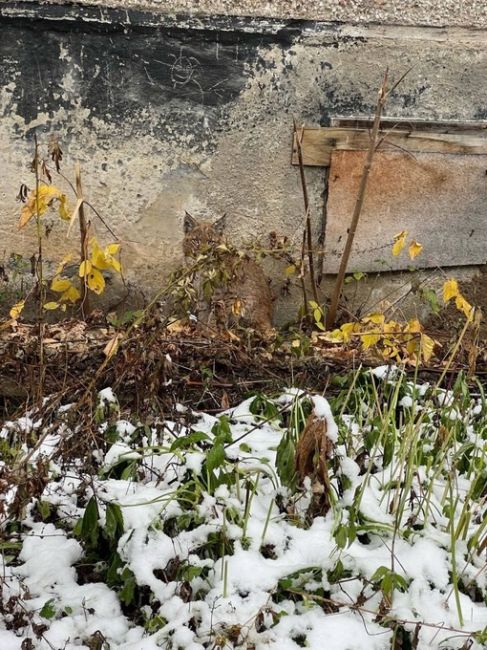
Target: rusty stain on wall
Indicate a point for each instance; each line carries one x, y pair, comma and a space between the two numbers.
440, 199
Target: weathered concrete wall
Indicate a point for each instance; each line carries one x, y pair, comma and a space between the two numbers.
168, 113
437, 13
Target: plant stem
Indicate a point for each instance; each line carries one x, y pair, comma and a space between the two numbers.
337, 292
307, 236
83, 232
39, 274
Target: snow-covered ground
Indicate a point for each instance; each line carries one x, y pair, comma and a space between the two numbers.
194, 536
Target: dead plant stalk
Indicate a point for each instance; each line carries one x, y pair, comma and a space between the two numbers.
83, 231
307, 236
39, 273
337, 291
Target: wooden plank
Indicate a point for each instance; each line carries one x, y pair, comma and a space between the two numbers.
469, 127
318, 143
440, 200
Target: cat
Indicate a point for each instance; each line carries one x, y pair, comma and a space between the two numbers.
231, 288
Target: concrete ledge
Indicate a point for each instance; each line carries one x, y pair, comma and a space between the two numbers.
437, 13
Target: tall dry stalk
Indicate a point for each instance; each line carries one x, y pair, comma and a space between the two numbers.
83, 232
374, 142
307, 243
39, 274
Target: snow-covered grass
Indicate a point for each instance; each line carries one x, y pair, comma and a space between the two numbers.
196, 533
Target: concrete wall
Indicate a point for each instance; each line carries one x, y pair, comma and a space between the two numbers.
169, 109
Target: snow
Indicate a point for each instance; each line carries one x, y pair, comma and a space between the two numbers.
259, 574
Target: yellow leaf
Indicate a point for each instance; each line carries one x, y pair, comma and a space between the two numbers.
376, 318
414, 326
51, 305
450, 290
464, 306
71, 295
391, 327
85, 268
63, 208
60, 284
399, 242
370, 339
16, 310
413, 346
112, 249
336, 336
347, 330
67, 258
38, 203
103, 258
415, 249
427, 347
96, 281
290, 270
116, 266
237, 307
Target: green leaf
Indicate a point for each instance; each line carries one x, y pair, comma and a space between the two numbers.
379, 573
114, 522
90, 526
221, 429
44, 508
130, 472
113, 572
155, 623
184, 442
127, 593
215, 457
341, 536
48, 610
285, 461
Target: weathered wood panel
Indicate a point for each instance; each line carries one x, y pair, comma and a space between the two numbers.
318, 144
440, 199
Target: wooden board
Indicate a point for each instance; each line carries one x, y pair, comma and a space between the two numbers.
319, 143
441, 200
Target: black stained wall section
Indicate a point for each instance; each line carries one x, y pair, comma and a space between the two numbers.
120, 71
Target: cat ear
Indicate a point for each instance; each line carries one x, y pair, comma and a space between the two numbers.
220, 224
189, 223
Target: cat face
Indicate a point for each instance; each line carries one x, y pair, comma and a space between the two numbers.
199, 237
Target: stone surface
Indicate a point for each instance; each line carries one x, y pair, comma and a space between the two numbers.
169, 113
